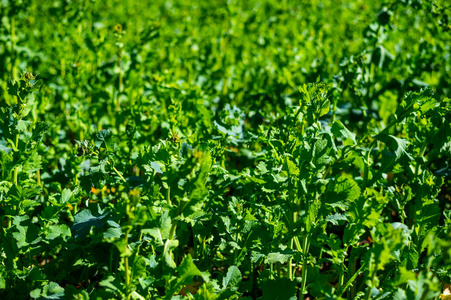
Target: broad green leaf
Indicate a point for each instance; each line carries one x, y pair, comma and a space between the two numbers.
27, 233
414, 102
55, 231
168, 254
277, 257
340, 131
312, 215
2, 281
22, 125
232, 278
32, 163
292, 168
156, 167
114, 230
185, 273
397, 145
51, 291
102, 138
113, 283
84, 220
66, 194
400, 295
342, 192
403, 276
206, 292
336, 218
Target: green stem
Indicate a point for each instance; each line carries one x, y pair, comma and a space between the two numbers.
168, 196
16, 168
333, 110
171, 236
111, 262
127, 267
349, 284
224, 50
63, 66
304, 266
290, 263
119, 174
13, 40
421, 154
368, 294
366, 168
113, 167
38, 177
120, 83
127, 278
352, 274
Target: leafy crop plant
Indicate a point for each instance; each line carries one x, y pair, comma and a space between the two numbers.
225, 150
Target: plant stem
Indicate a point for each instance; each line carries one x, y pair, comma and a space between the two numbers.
333, 110
224, 50
127, 267
119, 174
368, 293
421, 154
290, 263
127, 278
351, 275
168, 196
16, 168
304, 265
38, 177
171, 236
13, 41
111, 262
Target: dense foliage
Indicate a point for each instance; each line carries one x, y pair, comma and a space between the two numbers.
225, 149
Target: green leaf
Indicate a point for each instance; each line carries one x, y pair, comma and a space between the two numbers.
206, 292
66, 194
233, 277
102, 138
168, 254
13, 87
185, 273
293, 170
403, 276
414, 102
341, 192
113, 283
27, 233
36, 293
32, 163
84, 220
2, 281
277, 257
400, 295
312, 215
55, 231
156, 167
336, 218
52, 291
397, 145
340, 131
22, 125
114, 230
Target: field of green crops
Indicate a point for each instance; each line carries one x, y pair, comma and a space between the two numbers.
225, 149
